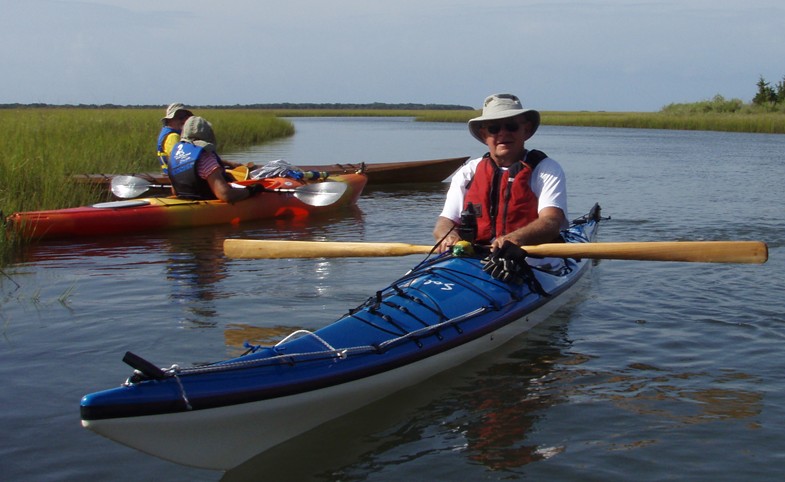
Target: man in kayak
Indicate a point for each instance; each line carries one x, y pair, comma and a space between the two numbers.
173, 120
196, 170
515, 194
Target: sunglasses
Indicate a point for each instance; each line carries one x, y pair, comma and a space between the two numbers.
508, 126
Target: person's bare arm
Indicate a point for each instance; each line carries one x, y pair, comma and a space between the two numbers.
223, 190
544, 229
444, 226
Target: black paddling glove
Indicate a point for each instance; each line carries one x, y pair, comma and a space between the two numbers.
507, 264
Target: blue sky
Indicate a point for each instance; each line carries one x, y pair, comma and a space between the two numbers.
556, 55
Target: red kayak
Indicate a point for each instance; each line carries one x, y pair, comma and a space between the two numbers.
284, 198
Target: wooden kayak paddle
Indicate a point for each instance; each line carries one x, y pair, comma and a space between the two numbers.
686, 251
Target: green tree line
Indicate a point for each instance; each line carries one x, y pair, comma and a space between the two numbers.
768, 95
274, 106
767, 99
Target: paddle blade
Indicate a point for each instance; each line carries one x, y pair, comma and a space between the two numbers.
275, 249
127, 187
239, 173
320, 193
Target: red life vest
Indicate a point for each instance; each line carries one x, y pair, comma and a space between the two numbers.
502, 198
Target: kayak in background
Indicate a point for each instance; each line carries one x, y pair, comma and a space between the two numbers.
434, 170
284, 198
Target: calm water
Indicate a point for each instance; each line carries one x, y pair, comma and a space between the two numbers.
656, 371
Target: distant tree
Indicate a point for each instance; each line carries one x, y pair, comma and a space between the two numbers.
780, 91
765, 95
720, 104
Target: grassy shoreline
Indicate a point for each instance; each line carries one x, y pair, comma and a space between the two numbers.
765, 123
749, 122
45, 146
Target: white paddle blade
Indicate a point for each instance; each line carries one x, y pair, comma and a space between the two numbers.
321, 193
127, 187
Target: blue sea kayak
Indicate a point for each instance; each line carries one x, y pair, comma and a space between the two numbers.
443, 313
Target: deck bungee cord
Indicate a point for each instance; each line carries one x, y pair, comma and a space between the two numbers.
429, 272
145, 370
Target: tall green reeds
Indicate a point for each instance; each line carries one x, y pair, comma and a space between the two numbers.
743, 121
768, 123
44, 147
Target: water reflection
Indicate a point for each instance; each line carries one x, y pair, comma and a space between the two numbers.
195, 265
685, 398
58, 253
188, 267
236, 335
348, 222
507, 399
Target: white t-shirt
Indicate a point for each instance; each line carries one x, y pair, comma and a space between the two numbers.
548, 183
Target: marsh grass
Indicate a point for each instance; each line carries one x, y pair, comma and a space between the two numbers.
768, 123
745, 121
44, 147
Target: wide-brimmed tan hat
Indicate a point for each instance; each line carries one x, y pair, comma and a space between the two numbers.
173, 109
502, 106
